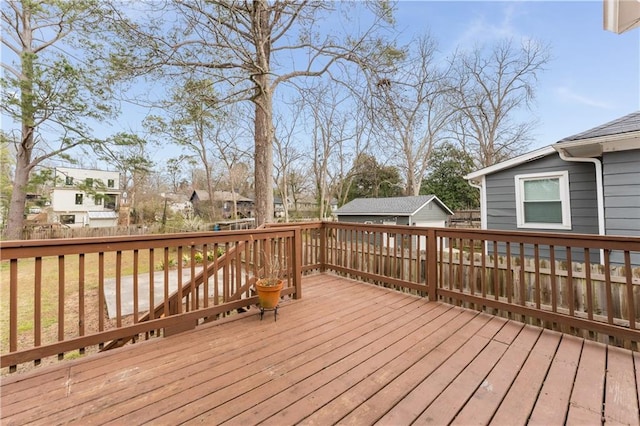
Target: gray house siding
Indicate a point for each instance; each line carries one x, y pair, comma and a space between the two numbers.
621, 182
501, 197
430, 212
501, 201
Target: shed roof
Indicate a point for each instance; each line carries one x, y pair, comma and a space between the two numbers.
202, 195
396, 206
102, 215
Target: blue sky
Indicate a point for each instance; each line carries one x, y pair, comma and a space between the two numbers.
593, 77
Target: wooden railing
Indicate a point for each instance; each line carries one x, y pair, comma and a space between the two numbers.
53, 292
60, 296
582, 284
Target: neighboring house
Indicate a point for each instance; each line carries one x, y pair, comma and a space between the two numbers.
333, 206
278, 206
303, 207
85, 197
306, 205
421, 210
588, 183
179, 204
224, 203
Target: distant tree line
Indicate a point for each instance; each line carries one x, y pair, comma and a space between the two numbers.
261, 98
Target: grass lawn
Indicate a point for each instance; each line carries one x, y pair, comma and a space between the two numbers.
50, 293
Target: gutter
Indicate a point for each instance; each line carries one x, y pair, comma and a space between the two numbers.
483, 197
599, 188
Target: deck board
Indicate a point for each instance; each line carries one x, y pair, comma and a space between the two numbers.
347, 353
480, 408
620, 404
520, 400
588, 390
445, 407
553, 401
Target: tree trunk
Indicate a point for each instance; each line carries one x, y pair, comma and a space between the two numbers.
264, 158
15, 221
263, 100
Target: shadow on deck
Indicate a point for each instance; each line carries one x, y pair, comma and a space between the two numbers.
347, 353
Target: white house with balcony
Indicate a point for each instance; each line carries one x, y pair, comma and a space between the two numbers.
85, 197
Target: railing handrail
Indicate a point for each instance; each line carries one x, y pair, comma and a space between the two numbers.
19, 249
13, 251
613, 242
358, 244
346, 248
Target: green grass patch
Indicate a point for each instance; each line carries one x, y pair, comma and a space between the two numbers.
50, 281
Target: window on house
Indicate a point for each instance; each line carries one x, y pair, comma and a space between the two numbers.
79, 198
98, 199
109, 201
89, 182
111, 183
68, 180
68, 219
542, 200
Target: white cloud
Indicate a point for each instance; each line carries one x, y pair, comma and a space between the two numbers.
485, 29
566, 94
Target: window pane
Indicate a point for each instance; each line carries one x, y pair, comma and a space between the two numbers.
67, 219
542, 190
543, 212
78, 198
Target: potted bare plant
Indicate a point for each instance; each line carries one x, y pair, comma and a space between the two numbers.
269, 285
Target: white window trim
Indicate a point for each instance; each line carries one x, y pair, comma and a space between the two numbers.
565, 199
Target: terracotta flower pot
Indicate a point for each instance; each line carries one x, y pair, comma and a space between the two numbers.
268, 295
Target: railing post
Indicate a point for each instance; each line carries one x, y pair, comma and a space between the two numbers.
324, 230
297, 261
432, 264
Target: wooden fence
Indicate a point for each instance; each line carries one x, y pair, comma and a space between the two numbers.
465, 219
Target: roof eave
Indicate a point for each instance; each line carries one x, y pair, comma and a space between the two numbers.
594, 147
435, 198
525, 158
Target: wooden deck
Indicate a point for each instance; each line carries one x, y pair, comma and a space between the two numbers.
346, 353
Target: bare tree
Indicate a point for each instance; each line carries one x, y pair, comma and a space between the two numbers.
193, 117
410, 110
226, 139
176, 172
249, 47
344, 175
288, 157
330, 112
491, 85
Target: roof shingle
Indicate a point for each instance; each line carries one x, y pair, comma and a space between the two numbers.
400, 206
626, 124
